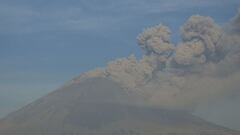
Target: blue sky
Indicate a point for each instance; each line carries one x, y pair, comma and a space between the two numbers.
44, 43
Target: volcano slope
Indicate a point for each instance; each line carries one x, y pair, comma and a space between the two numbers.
99, 106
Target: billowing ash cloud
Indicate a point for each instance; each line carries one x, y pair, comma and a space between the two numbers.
235, 24
156, 40
204, 66
201, 37
156, 45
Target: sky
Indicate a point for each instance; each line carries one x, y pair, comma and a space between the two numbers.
44, 44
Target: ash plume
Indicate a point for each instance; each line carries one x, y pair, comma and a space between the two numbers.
201, 36
204, 66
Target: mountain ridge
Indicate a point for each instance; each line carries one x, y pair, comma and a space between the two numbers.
98, 106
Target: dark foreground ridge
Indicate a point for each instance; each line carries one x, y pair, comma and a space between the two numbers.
98, 106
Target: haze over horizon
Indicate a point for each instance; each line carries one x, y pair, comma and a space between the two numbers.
44, 44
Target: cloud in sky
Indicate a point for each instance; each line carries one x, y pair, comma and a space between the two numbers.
32, 16
184, 75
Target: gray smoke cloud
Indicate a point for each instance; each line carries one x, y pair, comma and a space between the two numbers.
203, 67
156, 45
235, 24
201, 36
156, 40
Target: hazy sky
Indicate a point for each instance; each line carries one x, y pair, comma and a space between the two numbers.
44, 43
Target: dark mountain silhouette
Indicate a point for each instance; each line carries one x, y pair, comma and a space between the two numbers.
99, 106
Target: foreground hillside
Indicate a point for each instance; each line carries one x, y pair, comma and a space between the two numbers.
98, 107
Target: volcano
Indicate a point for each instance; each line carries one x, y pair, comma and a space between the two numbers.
100, 106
